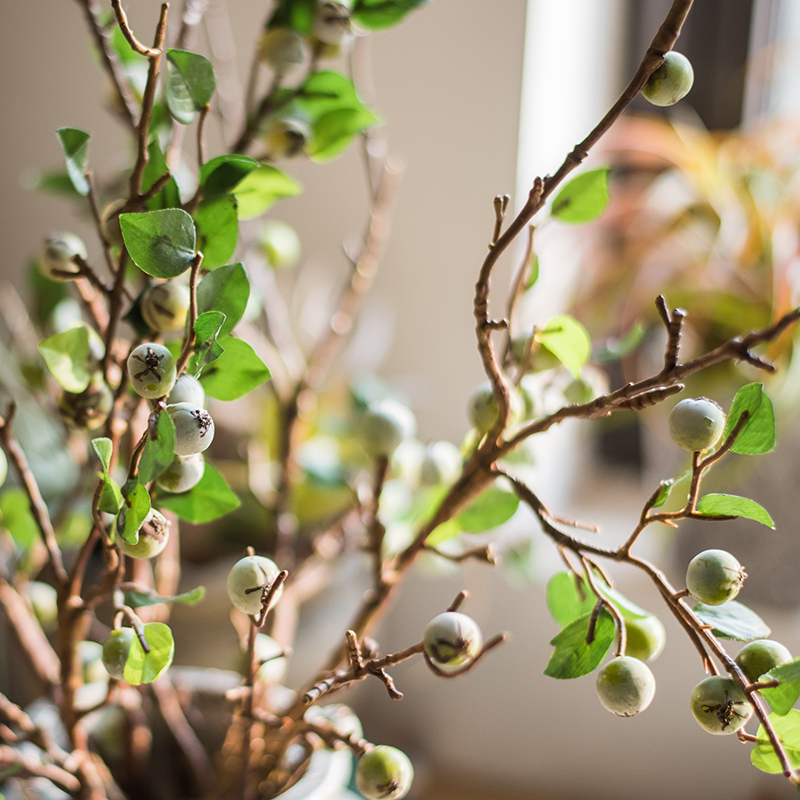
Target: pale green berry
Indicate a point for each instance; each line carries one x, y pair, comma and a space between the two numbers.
696, 424
90, 656
44, 602
55, 260
153, 536
109, 222
282, 50
280, 243
187, 389
270, 657
116, 649
645, 638
759, 657
183, 474
194, 428
452, 640
714, 577
151, 369
625, 686
483, 407
86, 410
719, 705
384, 425
332, 23
286, 137
246, 581
384, 773
164, 306
441, 463
671, 81
3, 467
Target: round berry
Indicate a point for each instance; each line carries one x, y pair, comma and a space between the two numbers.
384, 773
719, 705
194, 428
332, 23
187, 390
153, 536
441, 463
696, 424
671, 81
164, 306
44, 602
714, 577
151, 369
759, 657
271, 658
645, 638
86, 410
384, 425
3, 467
483, 407
452, 640
248, 578
282, 49
116, 649
625, 686
183, 474
90, 656
280, 243
55, 260
109, 222
286, 137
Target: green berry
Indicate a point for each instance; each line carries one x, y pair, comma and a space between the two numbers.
3, 467
151, 369
87, 410
759, 657
671, 81
44, 602
116, 649
441, 463
483, 408
90, 656
109, 222
286, 137
194, 428
452, 640
247, 579
714, 577
384, 773
645, 638
183, 474
719, 705
270, 657
384, 425
153, 537
696, 424
331, 24
282, 50
625, 686
280, 243
164, 306
55, 260
187, 390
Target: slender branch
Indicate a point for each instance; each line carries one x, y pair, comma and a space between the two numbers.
122, 20
191, 318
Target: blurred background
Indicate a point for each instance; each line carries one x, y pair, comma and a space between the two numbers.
479, 96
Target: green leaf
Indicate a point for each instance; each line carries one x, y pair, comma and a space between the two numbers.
227, 289
67, 358
441, 533
135, 507
56, 182
730, 505
190, 84
732, 620
332, 132
787, 729
208, 500
325, 92
161, 243
618, 346
533, 274
224, 173
626, 607
295, 14
582, 199
257, 192
235, 373
782, 698
104, 449
159, 452
573, 657
75, 144
144, 667
568, 598
217, 223
378, 14
169, 196
758, 434
137, 599
206, 347
567, 340
490, 508
16, 517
